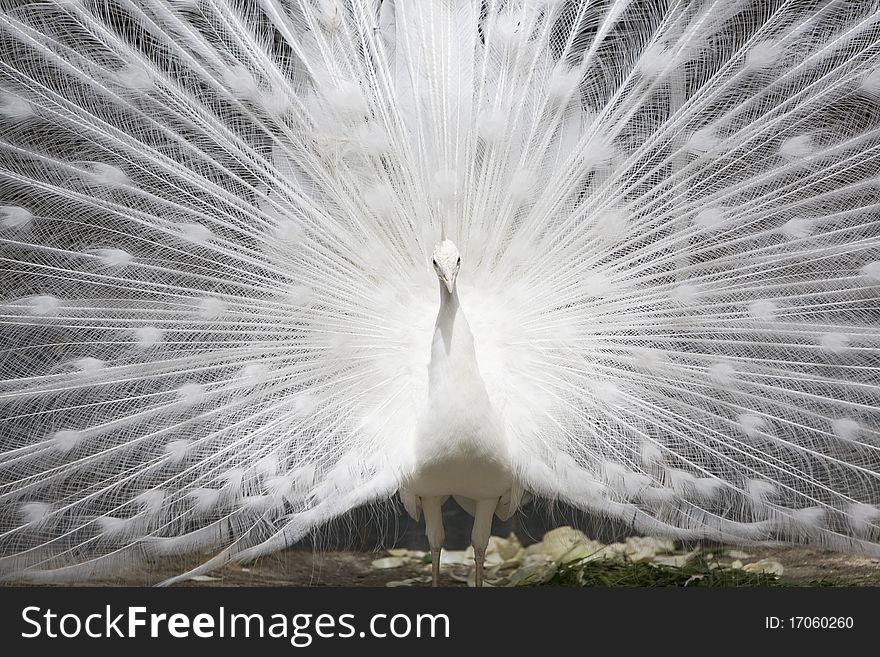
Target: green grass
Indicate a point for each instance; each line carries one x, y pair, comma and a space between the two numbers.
698, 573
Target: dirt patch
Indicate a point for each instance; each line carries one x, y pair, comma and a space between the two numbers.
808, 565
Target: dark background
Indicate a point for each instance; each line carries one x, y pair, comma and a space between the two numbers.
368, 529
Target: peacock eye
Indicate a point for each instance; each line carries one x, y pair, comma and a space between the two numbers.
459, 261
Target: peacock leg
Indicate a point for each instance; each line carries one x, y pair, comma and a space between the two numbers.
480, 534
431, 507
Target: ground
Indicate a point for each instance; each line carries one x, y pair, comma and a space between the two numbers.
803, 566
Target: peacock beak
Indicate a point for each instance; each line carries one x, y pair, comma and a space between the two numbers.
449, 281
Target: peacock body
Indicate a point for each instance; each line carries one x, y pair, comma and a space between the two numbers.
220, 321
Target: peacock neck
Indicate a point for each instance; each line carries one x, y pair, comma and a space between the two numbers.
453, 358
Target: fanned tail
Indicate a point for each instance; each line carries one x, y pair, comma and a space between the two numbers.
216, 305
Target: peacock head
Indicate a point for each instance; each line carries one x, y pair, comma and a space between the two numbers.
447, 262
